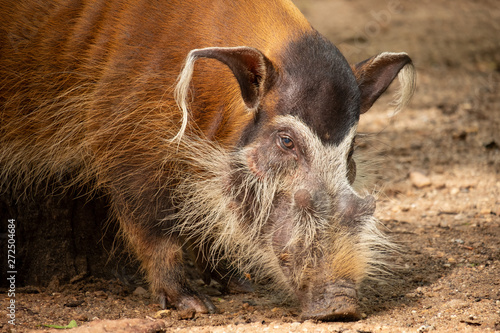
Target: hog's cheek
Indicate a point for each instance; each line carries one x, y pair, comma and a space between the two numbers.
281, 237
254, 163
260, 161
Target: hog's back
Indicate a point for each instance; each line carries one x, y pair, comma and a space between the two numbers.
87, 86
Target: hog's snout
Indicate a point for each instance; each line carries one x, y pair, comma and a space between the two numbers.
334, 301
350, 205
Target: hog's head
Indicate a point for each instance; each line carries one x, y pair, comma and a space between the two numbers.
281, 202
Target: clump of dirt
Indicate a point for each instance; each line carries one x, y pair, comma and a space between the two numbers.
438, 183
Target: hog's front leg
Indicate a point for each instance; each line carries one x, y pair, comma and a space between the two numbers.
161, 258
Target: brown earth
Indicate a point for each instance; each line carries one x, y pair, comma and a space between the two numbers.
437, 175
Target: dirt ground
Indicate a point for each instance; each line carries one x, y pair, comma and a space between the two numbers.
437, 175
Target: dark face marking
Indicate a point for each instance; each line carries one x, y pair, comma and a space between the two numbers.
317, 85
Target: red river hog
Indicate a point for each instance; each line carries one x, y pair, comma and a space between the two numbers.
225, 127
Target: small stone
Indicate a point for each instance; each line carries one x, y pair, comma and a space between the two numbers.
485, 211
140, 291
466, 106
81, 317
101, 294
186, 314
162, 314
440, 186
455, 304
459, 135
249, 302
74, 303
419, 180
425, 328
247, 307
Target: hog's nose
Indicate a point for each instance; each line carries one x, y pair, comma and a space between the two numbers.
351, 206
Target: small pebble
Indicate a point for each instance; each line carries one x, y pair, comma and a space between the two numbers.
485, 211
74, 303
186, 314
425, 328
140, 291
81, 317
419, 180
100, 293
162, 314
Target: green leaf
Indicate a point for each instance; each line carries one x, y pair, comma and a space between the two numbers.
72, 324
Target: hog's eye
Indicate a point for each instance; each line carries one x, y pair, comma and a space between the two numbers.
286, 142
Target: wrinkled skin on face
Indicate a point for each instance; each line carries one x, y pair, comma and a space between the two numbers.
317, 217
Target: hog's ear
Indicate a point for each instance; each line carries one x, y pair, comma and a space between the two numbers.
375, 74
250, 67
253, 71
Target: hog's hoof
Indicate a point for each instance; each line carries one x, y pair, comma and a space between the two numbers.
196, 302
341, 309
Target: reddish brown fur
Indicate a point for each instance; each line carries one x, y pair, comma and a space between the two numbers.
133, 37
86, 89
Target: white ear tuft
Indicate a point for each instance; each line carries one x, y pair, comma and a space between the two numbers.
375, 74
407, 77
181, 91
